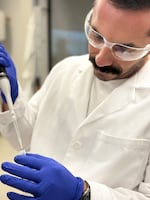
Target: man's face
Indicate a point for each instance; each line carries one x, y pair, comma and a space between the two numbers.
118, 26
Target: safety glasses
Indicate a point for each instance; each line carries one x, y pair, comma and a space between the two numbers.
120, 51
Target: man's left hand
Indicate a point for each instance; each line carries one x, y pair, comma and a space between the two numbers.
42, 177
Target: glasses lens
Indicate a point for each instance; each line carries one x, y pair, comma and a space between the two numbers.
127, 53
94, 38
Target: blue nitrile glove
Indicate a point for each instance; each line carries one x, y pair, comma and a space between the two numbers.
7, 63
43, 177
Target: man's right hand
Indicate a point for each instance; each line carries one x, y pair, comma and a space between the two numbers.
7, 62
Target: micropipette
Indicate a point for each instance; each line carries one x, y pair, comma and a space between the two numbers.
5, 87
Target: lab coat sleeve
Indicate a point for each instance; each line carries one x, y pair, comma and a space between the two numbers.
25, 119
103, 192
26, 113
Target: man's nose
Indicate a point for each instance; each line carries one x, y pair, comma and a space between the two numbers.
104, 57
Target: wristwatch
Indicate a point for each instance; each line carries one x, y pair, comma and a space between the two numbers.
87, 193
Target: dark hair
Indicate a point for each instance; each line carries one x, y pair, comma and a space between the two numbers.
131, 4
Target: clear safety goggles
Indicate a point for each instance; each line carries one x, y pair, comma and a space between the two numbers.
120, 51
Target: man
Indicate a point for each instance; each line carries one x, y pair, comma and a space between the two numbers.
91, 115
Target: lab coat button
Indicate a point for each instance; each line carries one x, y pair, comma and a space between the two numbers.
77, 145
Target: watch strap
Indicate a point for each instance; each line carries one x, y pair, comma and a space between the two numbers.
86, 195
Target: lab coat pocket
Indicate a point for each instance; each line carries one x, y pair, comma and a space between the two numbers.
121, 161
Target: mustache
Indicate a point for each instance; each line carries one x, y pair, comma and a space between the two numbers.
107, 69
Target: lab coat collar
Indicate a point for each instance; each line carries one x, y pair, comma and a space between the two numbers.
131, 91
143, 77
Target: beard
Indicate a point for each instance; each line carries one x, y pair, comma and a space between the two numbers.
113, 72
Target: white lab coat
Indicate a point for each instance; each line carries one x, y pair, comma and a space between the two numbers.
110, 147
